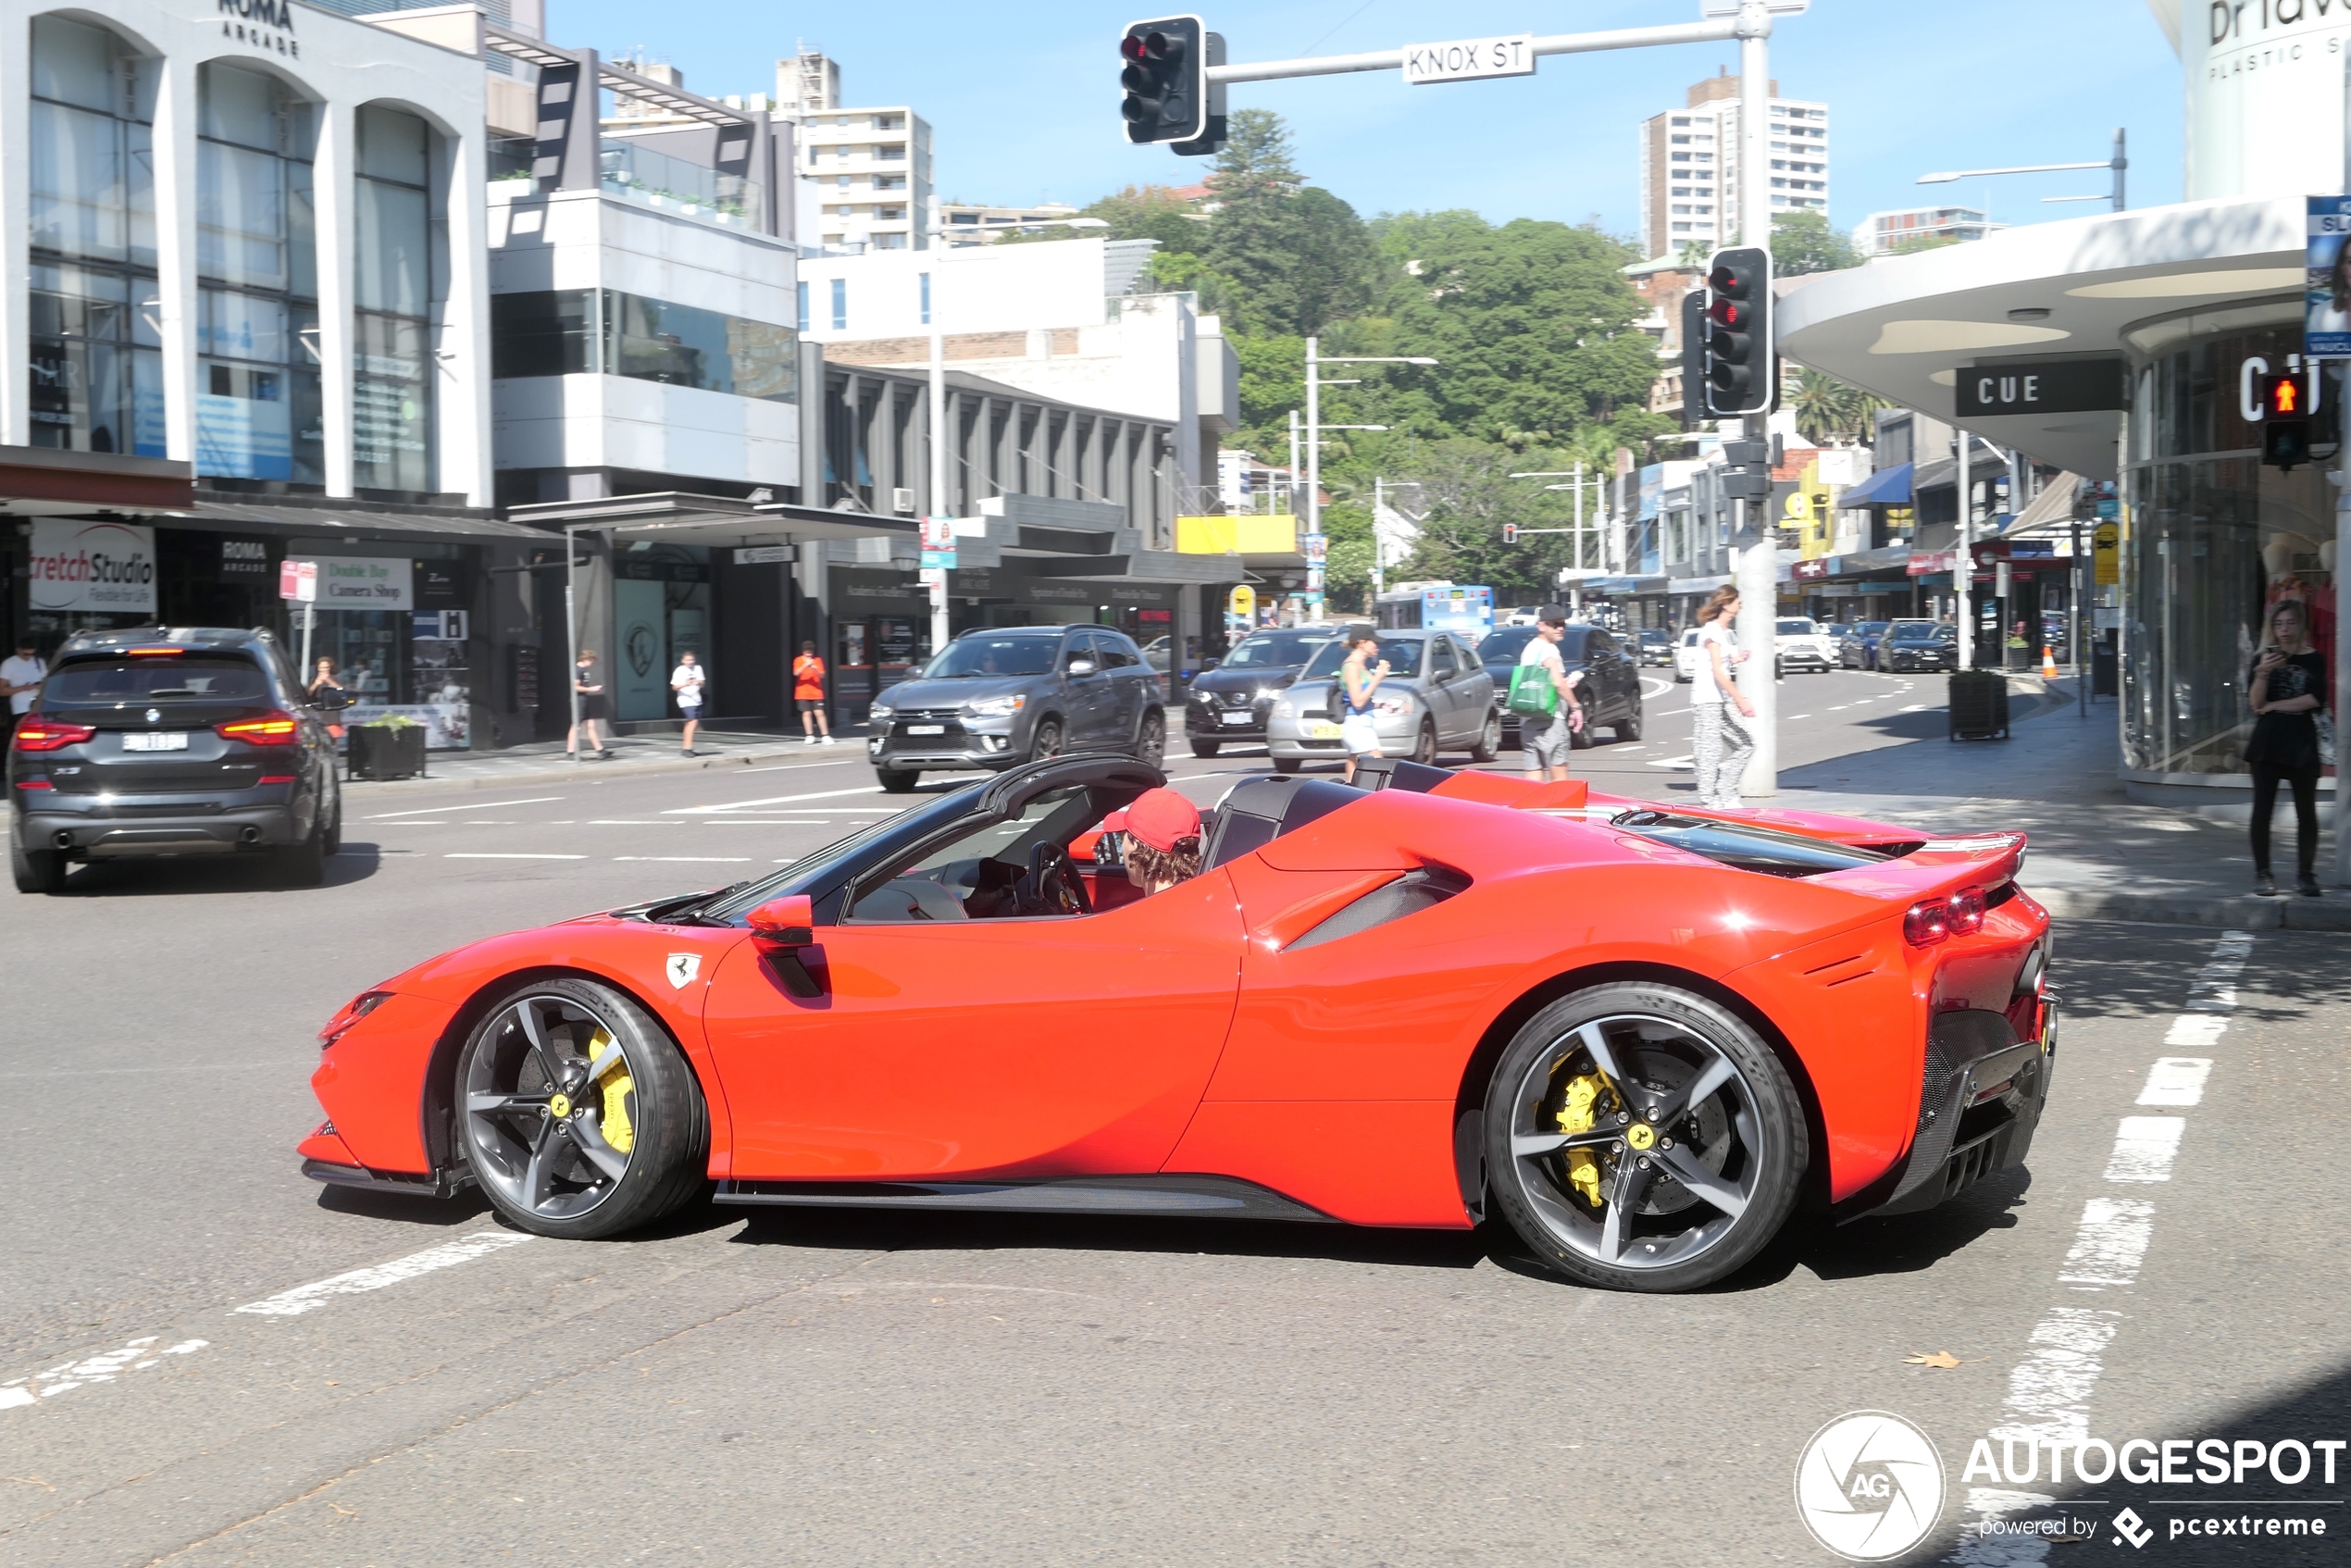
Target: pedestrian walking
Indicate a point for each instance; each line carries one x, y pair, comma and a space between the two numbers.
1546, 750
2288, 687
1358, 678
808, 691
587, 679
1722, 744
21, 675
687, 681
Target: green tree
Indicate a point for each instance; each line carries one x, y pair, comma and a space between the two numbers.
1829, 410
1346, 576
1149, 212
1297, 256
1918, 243
1803, 241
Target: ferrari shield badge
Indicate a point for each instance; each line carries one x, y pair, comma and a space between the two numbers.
683, 967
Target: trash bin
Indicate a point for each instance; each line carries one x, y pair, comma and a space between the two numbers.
2104, 668
1979, 706
386, 751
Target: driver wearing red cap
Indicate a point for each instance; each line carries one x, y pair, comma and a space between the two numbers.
1163, 838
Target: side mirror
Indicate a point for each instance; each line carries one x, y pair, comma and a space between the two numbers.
1210, 663
789, 922
1081, 666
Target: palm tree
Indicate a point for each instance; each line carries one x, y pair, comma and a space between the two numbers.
1828, 409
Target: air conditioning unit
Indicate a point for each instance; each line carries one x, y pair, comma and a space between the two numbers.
901, 500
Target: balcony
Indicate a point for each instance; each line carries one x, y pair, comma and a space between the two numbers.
645, 178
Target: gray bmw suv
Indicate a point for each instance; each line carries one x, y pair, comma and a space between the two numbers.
991, 699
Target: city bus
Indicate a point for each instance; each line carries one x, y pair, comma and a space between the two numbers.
1439, 606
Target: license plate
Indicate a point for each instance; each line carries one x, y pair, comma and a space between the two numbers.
1238, 718
156, 740
1322, 733
925, 729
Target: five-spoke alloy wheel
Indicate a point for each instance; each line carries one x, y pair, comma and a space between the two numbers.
1642, 1138
580, 1117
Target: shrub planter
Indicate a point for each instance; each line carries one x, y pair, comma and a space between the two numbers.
1979, 704
386, 751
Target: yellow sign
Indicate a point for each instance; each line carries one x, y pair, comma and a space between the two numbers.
2105, 553
1241, 604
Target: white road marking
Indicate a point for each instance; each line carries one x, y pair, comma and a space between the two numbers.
723, 859
2144, 1148
430, 824
310, 1298
2110, 1244
625, 822
1918, 707
1689, 762
487, 856
105, 1367
478, 805
770, 801
2177, 1081
2050, 1389
2195, 1028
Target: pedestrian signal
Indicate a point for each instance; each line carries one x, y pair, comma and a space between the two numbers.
2285, 420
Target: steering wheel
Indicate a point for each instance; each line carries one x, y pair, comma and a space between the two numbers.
1052, 886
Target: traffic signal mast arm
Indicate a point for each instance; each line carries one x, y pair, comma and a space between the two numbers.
1711, 31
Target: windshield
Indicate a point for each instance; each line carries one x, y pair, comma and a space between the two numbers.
1653, 638
816, 873
976, 657
1503, 646
1871, 629
1269, 649
1797, 628
1916, 631
95, 682
1403, 658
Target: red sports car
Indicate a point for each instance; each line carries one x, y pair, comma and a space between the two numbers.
1641, 1033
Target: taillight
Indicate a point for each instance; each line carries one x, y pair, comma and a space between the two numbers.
35, 733
1967, 912
1926, 923
273, 729
358, 1007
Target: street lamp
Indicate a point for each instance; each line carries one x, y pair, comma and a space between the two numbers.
2118, 163
1315, 426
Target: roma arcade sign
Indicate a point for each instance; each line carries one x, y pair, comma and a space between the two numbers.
82, 566
2051, 386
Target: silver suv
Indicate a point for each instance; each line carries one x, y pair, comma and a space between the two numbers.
1015, 694
1437, 697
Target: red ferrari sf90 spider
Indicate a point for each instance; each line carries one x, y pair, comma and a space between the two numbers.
1641, 1034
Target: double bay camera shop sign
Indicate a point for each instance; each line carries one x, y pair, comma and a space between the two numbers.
2052, 386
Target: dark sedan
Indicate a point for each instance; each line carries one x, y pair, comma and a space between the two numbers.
1230, 702
1611, 688
1914, 646
1856, 643
1654, 645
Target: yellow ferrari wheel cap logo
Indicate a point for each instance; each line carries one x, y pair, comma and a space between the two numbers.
1640, 1135
560, 1107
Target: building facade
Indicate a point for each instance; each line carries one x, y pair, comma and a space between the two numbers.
867, 175
1689, 159
1885, 233
976, 223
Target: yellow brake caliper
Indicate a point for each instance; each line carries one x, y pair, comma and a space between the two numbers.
614, 1079
1577, 1115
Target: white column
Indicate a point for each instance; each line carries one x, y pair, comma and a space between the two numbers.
16, 196
176, 198
465, 336
1314, 436
333, 166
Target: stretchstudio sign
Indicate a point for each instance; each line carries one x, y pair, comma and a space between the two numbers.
2055, 386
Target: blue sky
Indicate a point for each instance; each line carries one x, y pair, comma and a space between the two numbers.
1024, 97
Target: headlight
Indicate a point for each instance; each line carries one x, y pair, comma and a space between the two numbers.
1284, 709
881, 710
1391, 707
995, 707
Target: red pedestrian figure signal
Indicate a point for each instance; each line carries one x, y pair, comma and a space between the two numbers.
2285, 421
2281, 397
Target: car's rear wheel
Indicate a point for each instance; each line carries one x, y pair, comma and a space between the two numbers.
36, 871
896, 781
333, 844
1629, 727
580, 1117
303, 864
1639, 1137
1489, 740
1204, 748
1151, 738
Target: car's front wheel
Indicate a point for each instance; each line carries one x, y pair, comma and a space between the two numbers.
36, 871
1424, 745
1204, 748
1047, 742
581, 1118
1639, 1137
896, 781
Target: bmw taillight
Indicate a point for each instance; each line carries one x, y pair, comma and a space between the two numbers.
272, 728
35, 733
358, 1007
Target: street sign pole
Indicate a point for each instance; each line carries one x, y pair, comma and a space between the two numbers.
1758, 572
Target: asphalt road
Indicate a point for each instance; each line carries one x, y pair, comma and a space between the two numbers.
856, 1388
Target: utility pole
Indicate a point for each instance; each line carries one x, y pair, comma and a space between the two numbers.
1963, 561
1758, 568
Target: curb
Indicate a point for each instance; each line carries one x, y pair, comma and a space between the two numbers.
2246, 914
596, 770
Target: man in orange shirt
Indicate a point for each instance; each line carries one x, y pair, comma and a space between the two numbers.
808, 690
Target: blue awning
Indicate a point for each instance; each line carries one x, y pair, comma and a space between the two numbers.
1887, 487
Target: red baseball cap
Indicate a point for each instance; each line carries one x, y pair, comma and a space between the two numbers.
1158, 818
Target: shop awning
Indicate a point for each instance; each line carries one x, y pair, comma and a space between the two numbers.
1887, 487
719, 522
332, 521
2055, 503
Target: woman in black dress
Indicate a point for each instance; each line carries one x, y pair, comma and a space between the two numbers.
2289, 690
589, 681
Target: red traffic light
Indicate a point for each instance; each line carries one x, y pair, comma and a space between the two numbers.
1732, 314
2283, 397
1509, 534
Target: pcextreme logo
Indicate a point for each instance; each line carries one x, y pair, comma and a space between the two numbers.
1869, 1486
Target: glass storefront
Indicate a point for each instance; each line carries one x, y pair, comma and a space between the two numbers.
391, 446
2211, 537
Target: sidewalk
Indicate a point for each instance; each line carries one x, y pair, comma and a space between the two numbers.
542, 761
2095, 854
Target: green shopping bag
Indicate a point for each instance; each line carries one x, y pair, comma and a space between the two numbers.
1532, 692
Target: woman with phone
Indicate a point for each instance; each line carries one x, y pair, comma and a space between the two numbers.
2288, 687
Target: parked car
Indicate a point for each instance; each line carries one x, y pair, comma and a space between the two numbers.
1654, 645
1804, 644
1610, 690
1158, 652
164, 741
1910, 646
1230, 702
1437, 697
1856, 645
1687, 660
991, 699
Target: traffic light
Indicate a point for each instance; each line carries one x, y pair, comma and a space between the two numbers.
1693, 359
2285, 420
1509, 534
1165, 76
1739, 376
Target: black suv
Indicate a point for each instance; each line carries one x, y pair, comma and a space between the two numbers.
171, 742
1230, 702
1015, 694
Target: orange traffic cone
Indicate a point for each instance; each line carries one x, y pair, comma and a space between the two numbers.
2048, 663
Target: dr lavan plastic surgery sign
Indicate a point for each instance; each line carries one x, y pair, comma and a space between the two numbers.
2054, 386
